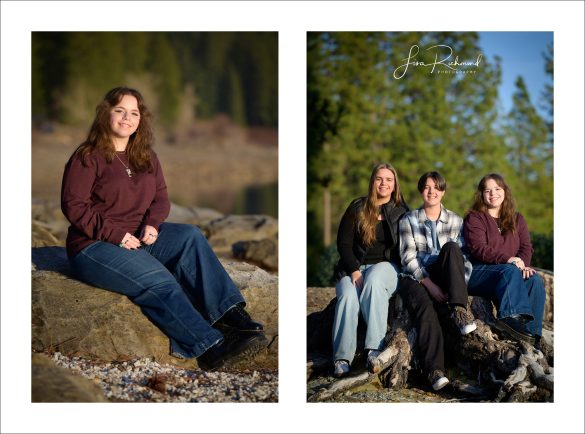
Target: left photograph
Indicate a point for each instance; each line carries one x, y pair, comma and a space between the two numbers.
154, 217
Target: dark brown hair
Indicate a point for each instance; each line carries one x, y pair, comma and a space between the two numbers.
508, 207
99, 136
435, 176
367, 217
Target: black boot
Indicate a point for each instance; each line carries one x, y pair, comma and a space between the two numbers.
237, 318
515, 328
231, 346
537, 344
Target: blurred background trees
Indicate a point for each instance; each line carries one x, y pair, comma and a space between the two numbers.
214, 97
358, 115
204, 73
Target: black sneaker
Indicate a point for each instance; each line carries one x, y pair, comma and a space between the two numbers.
438, 380
237, 318
463, 320
515, 328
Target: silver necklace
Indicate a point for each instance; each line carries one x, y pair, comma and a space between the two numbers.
128, 171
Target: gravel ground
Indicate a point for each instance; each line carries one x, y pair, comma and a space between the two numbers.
416, 392
142, 380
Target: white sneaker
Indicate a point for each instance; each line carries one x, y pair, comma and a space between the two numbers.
341, 368
463, 320
438, 379
373, 364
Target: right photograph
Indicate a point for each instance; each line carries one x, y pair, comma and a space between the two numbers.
430, 205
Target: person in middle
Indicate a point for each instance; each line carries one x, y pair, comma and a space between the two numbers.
435, 273
367, 272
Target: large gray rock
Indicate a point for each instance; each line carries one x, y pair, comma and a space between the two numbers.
77, 319
223, 233
263, 253
50, 383
49, 225
192, 215
42, 235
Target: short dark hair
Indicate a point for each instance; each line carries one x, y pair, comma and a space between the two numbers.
435, 176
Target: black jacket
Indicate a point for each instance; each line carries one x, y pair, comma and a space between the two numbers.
351, 249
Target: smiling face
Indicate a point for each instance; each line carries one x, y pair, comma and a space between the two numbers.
384, 185
493, 195
124, 118
431, 194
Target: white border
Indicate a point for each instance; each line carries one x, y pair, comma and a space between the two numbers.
292, 20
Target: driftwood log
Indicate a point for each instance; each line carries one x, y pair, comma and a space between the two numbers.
493, 368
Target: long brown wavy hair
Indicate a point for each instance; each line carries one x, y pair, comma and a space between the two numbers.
99, 136
508, 207
367, 217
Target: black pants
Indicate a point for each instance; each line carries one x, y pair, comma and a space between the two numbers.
449, 274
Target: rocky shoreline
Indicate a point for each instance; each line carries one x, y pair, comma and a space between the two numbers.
145, 380
92, 345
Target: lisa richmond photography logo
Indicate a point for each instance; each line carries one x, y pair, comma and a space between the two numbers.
443, 63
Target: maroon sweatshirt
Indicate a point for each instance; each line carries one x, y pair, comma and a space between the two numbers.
487, 245
102, 203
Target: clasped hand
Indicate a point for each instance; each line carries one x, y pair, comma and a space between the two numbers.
148, 236
518, 262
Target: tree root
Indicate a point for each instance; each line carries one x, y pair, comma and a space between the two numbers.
503, 370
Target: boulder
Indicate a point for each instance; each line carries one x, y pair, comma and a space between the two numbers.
77, 319
47, 217
263, 253
192, 215
42, 236
50, 383
224, 232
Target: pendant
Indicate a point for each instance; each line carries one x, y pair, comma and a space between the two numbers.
129, 172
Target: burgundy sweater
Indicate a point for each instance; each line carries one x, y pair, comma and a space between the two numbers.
102, 203
487, 245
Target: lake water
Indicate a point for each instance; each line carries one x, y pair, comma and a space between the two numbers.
256, 199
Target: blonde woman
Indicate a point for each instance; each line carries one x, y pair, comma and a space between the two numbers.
367, 273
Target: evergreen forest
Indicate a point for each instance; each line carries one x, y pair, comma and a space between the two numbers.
359, 114
179, 73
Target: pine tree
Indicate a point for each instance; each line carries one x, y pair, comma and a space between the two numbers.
163, 65
360, 114
531, 154
235, 97
94, 63
73, 70
548, 94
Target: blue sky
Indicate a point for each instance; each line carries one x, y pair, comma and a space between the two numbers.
521, 54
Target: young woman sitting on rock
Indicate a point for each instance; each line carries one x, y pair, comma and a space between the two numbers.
367, 273
115, 197
497, 237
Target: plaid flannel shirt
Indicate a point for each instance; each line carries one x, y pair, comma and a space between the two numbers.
415, 240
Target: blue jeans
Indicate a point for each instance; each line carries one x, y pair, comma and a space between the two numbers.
178, 282
512, 295
380, 281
